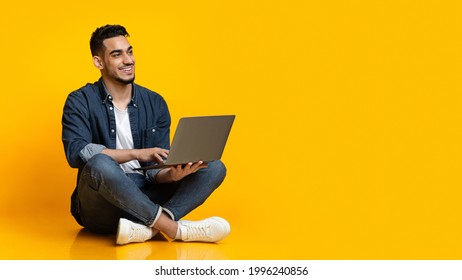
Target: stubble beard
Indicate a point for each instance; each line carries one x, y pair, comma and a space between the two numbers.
125, 81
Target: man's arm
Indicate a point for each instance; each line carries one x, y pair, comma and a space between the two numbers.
143, 155
76, 134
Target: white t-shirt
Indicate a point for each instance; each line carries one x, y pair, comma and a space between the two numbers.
124, 139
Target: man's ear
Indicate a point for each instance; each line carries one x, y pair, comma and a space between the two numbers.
98, 62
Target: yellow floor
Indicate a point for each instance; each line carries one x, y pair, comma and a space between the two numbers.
58, 237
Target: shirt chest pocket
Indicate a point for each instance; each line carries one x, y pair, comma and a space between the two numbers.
151, 138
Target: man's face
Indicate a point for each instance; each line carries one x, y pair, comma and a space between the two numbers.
118, 62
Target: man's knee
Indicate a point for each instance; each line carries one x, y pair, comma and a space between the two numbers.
217, 169
101, 162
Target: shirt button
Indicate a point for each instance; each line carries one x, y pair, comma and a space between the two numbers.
153, 130
110, 108
112, 130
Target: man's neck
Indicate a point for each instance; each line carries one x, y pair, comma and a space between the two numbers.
119, 91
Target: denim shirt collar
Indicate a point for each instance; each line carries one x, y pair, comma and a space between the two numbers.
106, 96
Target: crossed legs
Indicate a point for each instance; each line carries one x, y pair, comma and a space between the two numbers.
112, 201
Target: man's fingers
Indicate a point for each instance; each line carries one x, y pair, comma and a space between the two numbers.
177, 168
160, 154
198, 165
158, 158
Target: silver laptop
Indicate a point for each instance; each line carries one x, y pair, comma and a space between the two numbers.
197, 139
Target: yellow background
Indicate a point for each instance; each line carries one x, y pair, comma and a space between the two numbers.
347, 141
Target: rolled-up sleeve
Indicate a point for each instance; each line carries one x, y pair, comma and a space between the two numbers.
90, 150
152, 173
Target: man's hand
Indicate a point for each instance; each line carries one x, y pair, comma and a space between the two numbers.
152, 154
176, 173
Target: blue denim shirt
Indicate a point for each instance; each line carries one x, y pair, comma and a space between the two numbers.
89, 124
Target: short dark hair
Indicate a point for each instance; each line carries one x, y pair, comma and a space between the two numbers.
102, 33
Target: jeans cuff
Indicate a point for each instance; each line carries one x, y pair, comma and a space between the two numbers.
159, 212
169, 213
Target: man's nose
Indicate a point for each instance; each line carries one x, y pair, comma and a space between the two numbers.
128, 59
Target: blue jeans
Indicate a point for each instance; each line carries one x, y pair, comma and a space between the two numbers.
106, 194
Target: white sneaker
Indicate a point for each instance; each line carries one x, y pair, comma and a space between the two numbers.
129, 232
208, 230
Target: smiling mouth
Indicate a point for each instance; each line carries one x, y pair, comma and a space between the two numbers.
127, 70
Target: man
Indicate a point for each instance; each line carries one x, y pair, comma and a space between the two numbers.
111, 127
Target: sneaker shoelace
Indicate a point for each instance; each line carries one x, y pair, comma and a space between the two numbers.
198, 231
139, 233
